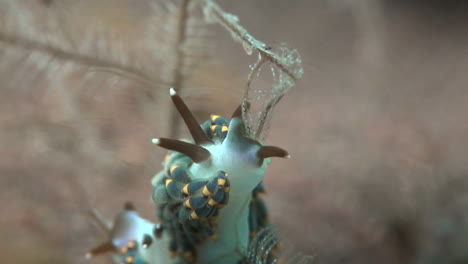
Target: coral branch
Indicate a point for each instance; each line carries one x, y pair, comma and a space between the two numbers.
94, 63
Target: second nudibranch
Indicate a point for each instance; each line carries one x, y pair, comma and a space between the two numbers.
207, 194
133, 239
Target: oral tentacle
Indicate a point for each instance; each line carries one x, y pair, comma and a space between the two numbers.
196, 153
272, 151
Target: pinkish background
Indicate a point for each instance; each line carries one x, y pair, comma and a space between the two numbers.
377, 127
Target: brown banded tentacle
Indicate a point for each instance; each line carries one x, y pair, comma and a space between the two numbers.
191, 122
196, 153
272, 151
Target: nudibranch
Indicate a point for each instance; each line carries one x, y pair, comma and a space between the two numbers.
134, 239
207, 195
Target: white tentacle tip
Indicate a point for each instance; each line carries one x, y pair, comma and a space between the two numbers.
88, 255
288, 156
155, 141
172, 92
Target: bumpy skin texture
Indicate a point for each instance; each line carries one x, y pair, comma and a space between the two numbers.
189, 205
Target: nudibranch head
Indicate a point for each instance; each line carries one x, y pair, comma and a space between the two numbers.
220, 146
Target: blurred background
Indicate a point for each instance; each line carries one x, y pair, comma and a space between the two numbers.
377, 127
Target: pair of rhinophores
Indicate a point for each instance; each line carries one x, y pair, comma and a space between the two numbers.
207, 198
